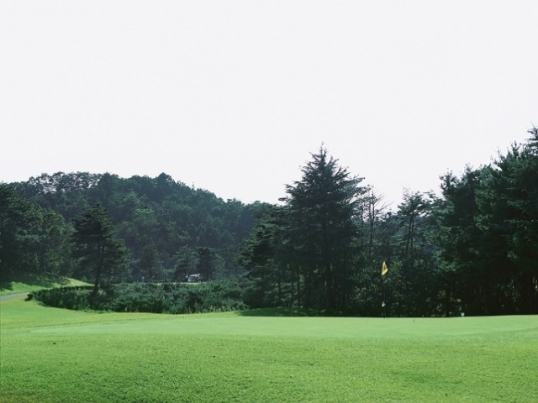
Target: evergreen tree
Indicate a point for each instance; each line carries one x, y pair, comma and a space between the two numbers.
322, 208
186, 263
206, 262
52, 245
265, 255
17, 221
99, 253
415, 255
150, 267
509, 207
32, 239
464, 242
158, 211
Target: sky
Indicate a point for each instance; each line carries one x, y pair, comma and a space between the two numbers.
234, 96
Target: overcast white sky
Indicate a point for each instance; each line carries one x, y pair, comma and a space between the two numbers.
233, 96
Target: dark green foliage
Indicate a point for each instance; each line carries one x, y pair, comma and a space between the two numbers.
304, 253
413, 261
216, 296
206, 262
267, 255
16, 216
474, 249
98, 253
157, 213
322, 229
32, 239
76, 298
175, 298
150, 267
490, 242
187, 260
515, 191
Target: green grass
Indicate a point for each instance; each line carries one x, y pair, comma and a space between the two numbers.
34, 282
52, 355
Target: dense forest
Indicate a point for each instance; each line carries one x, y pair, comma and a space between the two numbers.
472, 249
168, 229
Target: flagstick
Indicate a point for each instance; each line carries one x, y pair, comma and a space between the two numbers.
383, 305
384, 270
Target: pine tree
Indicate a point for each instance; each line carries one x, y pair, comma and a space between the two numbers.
100, 254
150, 267
264, 255
322, 207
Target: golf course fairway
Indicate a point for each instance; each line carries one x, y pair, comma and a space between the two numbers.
55, 355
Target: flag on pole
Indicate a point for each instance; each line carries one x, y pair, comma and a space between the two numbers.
384, 268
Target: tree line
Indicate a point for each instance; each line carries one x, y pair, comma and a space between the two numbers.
136, 229
472, 249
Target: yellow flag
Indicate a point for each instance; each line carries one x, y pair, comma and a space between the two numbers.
384, 268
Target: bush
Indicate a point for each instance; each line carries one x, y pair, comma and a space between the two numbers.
175, 298
65, 297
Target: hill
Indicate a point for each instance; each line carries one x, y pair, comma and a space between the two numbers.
169, 228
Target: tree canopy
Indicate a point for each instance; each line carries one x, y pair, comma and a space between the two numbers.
98, 252
473, 248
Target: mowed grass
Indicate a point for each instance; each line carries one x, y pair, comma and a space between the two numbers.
53, 355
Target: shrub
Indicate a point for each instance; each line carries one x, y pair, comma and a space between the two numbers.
175, 298
65, 297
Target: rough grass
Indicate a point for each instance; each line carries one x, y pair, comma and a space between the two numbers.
52, 355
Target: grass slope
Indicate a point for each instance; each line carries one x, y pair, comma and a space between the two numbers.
52, 355
33, 282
